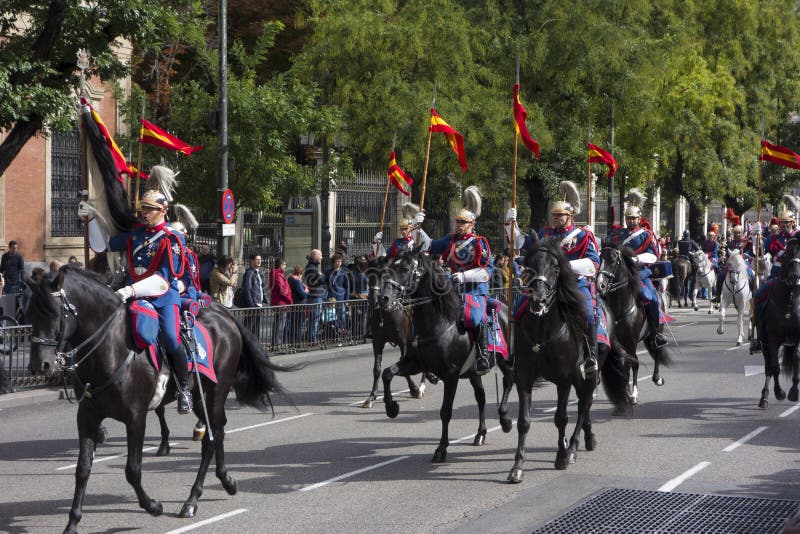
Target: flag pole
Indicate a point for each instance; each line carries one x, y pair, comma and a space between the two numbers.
83, 64
757, 242
589, 180
138, 165
386, 193
427, 156
511, 247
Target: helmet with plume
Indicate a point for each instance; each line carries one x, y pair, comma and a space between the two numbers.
571, 203
472, 205
162, 179
636, 200
792, 207
408, 213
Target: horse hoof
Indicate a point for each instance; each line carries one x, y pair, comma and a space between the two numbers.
590, 442
417, 394
738, 343
422, 389
101, 436
573, 457
792, 395
480, 439
780, 394
368, 403
515, 476
658, 381
439, 457
720, 331
763, 403
188, 510
506, 424
562, 461
154, 508
392, 409
163, 450
230, 485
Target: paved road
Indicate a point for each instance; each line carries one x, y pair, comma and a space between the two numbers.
331, 466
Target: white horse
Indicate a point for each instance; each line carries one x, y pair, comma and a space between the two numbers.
705, 276
736, 291
764, 267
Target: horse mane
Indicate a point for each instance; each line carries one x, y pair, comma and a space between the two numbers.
627, 254
93, 285
446, 299
792, 251
42, 302
568, 296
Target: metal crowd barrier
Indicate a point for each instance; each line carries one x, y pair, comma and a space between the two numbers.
15, 359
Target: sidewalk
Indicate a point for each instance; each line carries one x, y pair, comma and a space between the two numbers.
34, 396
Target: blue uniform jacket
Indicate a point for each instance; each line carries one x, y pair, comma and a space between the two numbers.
462, 253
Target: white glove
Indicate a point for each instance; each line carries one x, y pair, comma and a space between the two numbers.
511, 214
420, 217
86, 210
378, 237
757, 227
457, 278
125, 293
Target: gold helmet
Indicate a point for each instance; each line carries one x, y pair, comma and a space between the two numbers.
408, 212
786, 215
635, 200
737, 230
571, 204
464, 215
154, 199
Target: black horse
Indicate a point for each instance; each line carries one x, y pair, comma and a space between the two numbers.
678, 286
618, 283
550, 343
438, 342
387, 326
780, 327
114, 379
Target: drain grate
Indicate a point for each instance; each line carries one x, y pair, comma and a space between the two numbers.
627, 511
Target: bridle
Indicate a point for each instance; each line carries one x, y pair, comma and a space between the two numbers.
612, 275
531, 277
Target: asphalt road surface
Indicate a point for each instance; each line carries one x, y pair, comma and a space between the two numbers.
328, 465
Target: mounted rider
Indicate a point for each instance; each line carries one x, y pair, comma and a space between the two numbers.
737, 242
646, 250
411, 234
470, 260
775, 244
580, 247
686, 245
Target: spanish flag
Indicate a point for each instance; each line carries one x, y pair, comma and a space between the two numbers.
598, 155
455, 139
519, 125
779, 154
153, 135
398, 177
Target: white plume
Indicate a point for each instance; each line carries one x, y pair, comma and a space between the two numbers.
185, 216
571, 195
162, 179
409, 210
472, 200
635, 197
792, 203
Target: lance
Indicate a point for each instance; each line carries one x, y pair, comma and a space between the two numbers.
425, 167
83, 64
589, 179
757, 243
512, 248
138, 165
386, 193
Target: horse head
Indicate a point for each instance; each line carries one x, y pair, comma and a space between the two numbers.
736, 265
790, 263
699, 259
616, 269
402, 278
58, 311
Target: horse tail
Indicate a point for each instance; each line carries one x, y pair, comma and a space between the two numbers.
791, 365
614, 376
255, 377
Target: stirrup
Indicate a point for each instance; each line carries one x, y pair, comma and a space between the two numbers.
184, 398
755, 346
482, 365
660, 340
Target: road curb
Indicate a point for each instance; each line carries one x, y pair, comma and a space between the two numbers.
30, 397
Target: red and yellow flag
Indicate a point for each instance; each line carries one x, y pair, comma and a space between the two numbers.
519, 125
398, 177
455, 139
153, 135
119, 160
779, 154
598, 155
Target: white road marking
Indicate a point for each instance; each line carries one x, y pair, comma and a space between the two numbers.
207, 521
115, 456
744, 346
378, 398
641, 352
790, 411
736, 444
677, 481
554, 408
687, 324
352, 473
752, 370
268, 423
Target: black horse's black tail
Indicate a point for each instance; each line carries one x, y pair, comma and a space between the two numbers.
614, 376
255, 378
791, 364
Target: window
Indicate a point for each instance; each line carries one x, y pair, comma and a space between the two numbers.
65, 184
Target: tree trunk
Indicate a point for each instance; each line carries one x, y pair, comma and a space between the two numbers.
16, 139
696, 219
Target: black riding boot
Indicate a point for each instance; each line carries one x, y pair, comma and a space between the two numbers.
590, 365
718, 289
758, 333
658, 339
481, 360
181, 370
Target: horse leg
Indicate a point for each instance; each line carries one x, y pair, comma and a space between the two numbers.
560, 420
480, 398
133, 466
523, 425
723, 306
508, 382
445, 414
416, 392
776, 374
207, 453
403, 367
740, 306
163, 447
88, 425
694, 297
377, 353
584, 390
634, 386
793, 393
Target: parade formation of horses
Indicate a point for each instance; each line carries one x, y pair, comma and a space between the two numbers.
115, 379
782, 326
438, 343
736, 291
618, 282
550, 343
705, 277
679, 285
387, 326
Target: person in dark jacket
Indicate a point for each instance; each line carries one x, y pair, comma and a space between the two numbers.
315, 282
253, 291
299, 296
339, 290
207, 261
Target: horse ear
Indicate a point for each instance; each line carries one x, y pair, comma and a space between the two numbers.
416, 250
